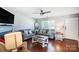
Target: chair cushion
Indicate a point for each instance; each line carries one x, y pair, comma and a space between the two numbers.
2, 40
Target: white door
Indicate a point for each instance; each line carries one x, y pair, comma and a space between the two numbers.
71, 28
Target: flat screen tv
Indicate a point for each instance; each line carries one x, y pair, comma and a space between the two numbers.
6, 17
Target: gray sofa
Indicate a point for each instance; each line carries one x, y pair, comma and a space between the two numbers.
48, 32
28, 33
3, 33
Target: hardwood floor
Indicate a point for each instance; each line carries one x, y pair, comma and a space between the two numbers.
53, 46
36, 47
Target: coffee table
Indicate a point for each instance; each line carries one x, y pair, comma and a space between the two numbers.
40, 39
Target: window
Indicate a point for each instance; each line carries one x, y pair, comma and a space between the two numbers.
51, 24
48, 24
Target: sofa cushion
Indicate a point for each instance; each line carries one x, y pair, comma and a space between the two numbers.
26, 32
30, 32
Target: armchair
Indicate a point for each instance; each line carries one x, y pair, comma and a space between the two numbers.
13, 41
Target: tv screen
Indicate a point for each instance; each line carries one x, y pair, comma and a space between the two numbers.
6, 17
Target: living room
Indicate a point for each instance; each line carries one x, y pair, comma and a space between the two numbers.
43, 29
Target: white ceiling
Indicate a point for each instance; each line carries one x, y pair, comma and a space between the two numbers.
55, 11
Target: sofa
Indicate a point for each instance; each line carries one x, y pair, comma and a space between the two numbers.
3, 33
28, 33
48, 32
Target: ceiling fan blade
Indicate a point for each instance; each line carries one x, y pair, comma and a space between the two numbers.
48, 12
41, 11
35, 13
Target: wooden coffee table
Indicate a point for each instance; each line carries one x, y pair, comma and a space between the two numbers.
40, 39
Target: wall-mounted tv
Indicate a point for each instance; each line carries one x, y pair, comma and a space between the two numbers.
6, 17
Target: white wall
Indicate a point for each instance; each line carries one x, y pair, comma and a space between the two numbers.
71, 28
69, 25
59, 24
23, 22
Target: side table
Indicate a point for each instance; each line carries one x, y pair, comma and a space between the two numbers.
58, 36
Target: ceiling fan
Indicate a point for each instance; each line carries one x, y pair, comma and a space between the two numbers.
42, 12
